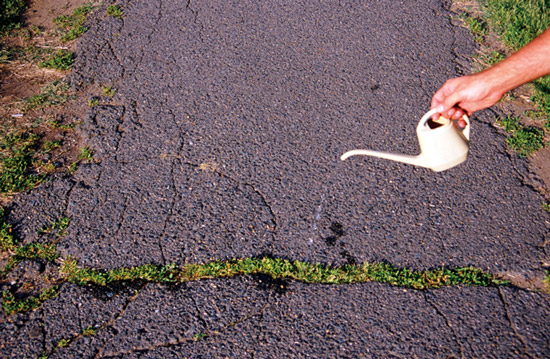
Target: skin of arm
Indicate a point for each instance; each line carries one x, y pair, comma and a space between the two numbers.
467, 94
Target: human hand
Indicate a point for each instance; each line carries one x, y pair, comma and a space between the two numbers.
465, 95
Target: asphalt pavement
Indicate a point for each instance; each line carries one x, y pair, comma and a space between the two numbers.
223, 141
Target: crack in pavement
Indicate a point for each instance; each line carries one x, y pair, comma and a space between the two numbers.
513, 326
207, 332
448, 322
112, 322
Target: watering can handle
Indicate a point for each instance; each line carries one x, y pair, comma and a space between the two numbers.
428, 115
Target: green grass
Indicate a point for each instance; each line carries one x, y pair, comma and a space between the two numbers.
72, 26
526, 141
108, 91
7, 240
89, 331
32, 251
522, 140
11, 304
60, 60
10, 13
59, 227
16, 156
283, 269
478, 28
51, 145
114, 11
54, 94
518, 22
93, 102
85, 154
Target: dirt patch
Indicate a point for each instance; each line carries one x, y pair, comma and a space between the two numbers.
42, 12
22, 77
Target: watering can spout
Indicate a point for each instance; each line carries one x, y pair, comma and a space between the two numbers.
412, 160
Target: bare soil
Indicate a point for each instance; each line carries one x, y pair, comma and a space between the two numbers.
21, 77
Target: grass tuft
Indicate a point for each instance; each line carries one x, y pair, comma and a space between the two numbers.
54, 94
59, 227
85, 154
522, 140
72, 26
114, 11
7, 240
59, 60
16, 156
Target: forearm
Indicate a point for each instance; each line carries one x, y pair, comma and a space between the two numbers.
528, 64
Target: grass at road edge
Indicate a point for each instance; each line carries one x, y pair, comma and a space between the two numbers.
518, 22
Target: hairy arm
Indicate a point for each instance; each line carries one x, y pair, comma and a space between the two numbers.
471, 93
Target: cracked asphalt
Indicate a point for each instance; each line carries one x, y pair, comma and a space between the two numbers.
223, 141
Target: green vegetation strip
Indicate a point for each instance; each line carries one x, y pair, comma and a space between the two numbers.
283, 269
277, 268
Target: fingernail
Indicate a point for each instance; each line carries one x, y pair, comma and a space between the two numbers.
440, 108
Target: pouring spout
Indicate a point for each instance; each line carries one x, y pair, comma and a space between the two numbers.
412, 160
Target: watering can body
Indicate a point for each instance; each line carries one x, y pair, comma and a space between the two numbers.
442, 145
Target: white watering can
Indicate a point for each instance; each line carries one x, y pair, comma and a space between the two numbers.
442, 145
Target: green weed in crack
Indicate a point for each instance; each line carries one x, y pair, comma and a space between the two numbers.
33, 251
58, 227
148, 272
85, 154
284, 269
11, 304
89, 331
114, 11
